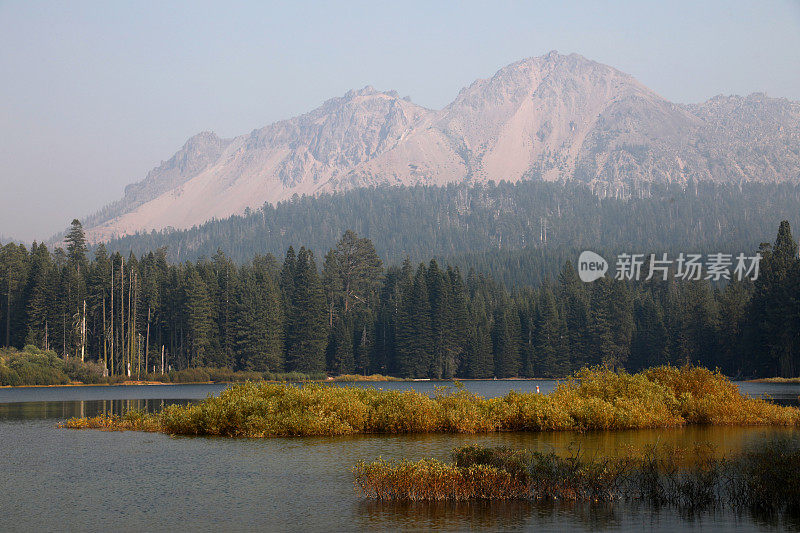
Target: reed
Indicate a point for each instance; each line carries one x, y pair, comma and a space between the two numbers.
427, 480
762, 479
360, 377
592, 399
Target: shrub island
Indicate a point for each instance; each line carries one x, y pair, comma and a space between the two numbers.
592, 399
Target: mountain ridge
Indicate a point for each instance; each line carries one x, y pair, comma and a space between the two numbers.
553, 117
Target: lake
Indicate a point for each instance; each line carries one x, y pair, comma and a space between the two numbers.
58, 479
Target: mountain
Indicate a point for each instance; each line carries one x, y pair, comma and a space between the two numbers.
554, 117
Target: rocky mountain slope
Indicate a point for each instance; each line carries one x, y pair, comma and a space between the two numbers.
554, 117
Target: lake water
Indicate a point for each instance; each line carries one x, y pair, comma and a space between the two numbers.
56, 479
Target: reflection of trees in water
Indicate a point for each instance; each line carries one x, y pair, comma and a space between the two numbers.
82, 408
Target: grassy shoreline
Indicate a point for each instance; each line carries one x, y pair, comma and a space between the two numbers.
789, 381
350, 378
593, 399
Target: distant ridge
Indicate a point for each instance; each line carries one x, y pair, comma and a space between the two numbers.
555, 117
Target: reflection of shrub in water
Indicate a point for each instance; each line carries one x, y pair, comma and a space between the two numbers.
763, 479
383, 515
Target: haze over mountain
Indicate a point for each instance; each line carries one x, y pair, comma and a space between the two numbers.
554, 117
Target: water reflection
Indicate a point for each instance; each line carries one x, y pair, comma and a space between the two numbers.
154, 482
544, 516
63, 410
558, 516
455, 516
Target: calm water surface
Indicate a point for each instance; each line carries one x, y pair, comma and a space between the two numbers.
54, 479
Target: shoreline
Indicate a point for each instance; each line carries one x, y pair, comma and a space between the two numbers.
361, 379
334, 379
776, 381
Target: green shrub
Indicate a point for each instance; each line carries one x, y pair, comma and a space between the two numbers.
84, 371
190, 375
31, 367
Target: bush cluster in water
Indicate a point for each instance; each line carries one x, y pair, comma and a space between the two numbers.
593, 399
762, 478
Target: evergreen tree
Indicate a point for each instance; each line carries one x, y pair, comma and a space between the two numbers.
258, 320
199, 321
649, 342
505, 342
733, 302
40, 297
13, 277
575, 303
773, 311
414, 336
76, 245
307, 330
551, 348
341, 359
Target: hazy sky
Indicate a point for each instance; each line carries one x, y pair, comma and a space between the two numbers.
95, 94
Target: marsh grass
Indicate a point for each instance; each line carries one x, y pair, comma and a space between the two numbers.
777, 380
360, 377
762, 479
593, 399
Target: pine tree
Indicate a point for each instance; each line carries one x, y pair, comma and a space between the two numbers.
574, 299
733, 302
478, 359
610, 323
307, 330
506, 341
414, 336
649, 342
341, 359
13, 277
76, 245
353, 269
40, 296
199, 319
773, 310
226, 281
551, 343
258, 320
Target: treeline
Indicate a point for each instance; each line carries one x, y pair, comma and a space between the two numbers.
356, 316
475, 222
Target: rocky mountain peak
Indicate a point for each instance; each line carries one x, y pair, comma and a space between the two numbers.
551, 117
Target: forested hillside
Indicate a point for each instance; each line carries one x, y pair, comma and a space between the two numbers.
520, 233
420, 222
413, 320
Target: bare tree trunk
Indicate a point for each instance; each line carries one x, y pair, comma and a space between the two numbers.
132, 320
147, 339
105, 336
8, 311
113, 339
122, 311
83, 332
